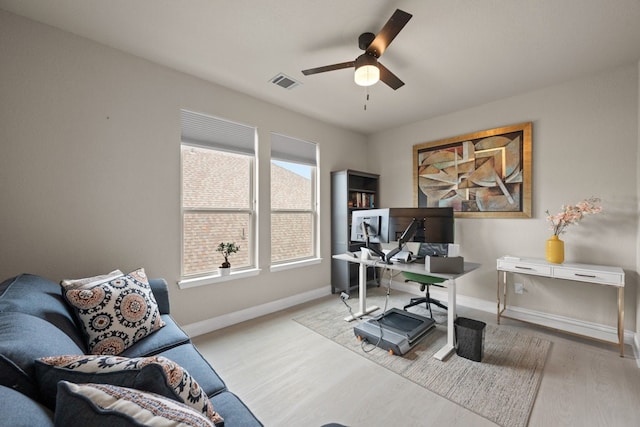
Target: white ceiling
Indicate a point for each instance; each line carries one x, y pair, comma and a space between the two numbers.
452, 54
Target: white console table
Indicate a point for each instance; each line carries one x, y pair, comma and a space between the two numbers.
597, 274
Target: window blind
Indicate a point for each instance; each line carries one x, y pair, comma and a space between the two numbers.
294, 150
207, 131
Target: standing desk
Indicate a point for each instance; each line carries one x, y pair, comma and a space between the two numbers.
417, 268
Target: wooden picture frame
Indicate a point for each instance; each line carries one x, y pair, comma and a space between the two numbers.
485, 174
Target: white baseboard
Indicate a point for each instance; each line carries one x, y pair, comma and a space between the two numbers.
568, 324
608, 333
219, 322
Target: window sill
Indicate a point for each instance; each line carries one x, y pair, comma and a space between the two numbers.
295, 264
217, 278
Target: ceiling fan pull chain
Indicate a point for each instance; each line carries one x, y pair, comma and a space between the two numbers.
366, 91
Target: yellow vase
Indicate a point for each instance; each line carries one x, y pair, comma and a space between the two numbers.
555, 250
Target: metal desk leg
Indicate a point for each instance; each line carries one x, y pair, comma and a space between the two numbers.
504, 291
498, 315
502, 299
450, 346
621, 320
362, 292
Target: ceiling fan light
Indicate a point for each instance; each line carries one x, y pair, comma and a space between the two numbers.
367, 72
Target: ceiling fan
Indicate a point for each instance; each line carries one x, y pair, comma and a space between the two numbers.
368, 70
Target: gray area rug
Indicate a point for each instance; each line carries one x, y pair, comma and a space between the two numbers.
501, 388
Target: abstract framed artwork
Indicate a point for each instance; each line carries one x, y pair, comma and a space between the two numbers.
485, 174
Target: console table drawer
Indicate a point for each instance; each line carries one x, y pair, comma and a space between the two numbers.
524, 268
605, 278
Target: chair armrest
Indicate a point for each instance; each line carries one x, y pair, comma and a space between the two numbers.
161, 294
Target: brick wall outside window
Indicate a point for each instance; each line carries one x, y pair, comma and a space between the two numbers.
218, 180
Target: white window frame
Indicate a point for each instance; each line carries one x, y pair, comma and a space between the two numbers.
218, 134
293, 150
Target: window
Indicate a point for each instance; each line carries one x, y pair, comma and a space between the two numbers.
293, 200
217, 193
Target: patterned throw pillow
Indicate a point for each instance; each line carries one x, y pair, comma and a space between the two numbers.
115, 312
104, 405
177, 383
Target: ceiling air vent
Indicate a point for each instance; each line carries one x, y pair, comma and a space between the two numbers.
284, 81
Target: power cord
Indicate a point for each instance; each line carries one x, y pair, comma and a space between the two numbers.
364, 342
345, 296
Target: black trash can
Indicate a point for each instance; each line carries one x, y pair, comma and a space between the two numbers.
470, 338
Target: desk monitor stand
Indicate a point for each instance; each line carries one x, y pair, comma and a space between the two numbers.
396, 331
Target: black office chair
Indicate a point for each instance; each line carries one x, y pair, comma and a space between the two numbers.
425, 282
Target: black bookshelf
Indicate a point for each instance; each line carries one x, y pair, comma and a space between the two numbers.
350, 190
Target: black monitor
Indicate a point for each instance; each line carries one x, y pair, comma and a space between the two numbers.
425, 225
434, 225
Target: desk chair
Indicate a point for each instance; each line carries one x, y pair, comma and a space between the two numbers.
424, 281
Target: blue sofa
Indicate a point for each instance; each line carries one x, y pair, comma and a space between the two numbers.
35, 322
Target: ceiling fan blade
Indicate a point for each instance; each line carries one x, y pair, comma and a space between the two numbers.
389, 78
389, 32
328, 68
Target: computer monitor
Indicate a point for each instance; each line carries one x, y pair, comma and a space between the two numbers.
433, 228
370, 227
434, 225
376, 223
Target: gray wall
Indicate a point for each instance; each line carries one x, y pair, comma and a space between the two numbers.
90, 179
90, 167
585, 143
637, 337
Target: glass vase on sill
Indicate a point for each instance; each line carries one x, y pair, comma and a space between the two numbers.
555, 250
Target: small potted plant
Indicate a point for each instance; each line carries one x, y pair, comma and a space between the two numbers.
227, 249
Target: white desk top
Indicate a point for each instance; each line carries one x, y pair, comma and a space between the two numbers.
412, 267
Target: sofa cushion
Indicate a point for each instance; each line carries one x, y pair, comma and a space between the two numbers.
190, 358
24, 338
19, 410
106, 405
171, 335
12, 376
116, 313
41, 298
155, 374
161, 294
234, 411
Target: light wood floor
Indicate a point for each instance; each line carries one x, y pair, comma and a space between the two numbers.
291, 376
